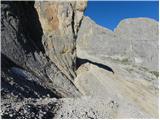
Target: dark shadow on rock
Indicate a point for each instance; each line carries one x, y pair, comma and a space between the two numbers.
31, 111
30, 26
32, 87
25, 88
80, 61
23, 19
23, 85
6, 63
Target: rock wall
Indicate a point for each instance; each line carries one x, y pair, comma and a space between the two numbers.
27, 43
142, 36
135, 41
121, 65
60, 23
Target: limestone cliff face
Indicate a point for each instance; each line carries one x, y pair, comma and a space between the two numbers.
60, 23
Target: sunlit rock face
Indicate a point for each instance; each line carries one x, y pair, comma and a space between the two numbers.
135, 40
60, 23
121, 65
143, 36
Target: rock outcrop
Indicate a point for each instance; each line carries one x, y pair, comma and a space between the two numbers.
60, 22
121, 65
22, 47
135, 40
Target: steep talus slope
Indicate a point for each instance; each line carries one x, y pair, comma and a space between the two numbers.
56, 63
87, 108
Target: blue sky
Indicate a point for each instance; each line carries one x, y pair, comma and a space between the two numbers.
110, 13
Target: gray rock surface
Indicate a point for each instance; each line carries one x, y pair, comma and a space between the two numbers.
22, 48
86, 108
83, 107
60, 22
120, 65
133, 88
135, 40
30, 109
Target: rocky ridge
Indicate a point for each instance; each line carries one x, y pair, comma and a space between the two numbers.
135, 40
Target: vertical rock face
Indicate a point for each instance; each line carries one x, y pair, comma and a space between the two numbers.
22, 46
17, 42
60, 23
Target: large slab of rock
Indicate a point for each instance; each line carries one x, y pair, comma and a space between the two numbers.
60, 23
133, 88
135, 40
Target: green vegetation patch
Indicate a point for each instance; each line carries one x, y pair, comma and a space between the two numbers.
155, 73
123, 61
